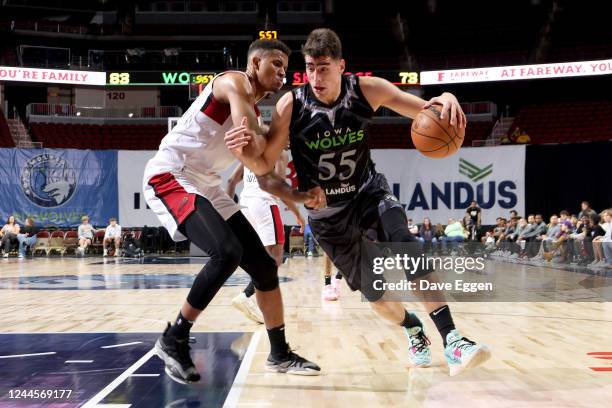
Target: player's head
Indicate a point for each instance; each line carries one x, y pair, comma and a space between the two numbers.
85, 219
324, 63
267, 60
10, 220
112, 221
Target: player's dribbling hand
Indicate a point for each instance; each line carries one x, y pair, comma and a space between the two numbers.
238, 137
317, 198
451, 105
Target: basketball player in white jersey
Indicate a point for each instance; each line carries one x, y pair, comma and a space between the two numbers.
182, 186
262, 211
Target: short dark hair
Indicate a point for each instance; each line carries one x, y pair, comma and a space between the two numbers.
269, 45
564, 213
323, 42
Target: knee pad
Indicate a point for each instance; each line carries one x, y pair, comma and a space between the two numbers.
265, 274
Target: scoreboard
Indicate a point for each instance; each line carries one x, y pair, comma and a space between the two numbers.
395, 77
197, 81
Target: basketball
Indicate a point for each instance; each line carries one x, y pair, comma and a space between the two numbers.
435, 137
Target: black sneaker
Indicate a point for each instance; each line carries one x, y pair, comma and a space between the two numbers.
292, 364
175, 355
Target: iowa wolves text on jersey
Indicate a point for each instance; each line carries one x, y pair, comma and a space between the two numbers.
329, 142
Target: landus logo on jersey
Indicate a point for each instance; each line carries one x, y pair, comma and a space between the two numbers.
339, 137
343, 189
48, 180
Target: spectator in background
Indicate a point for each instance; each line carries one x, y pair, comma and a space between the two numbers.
9, 235
453, 232
27, 236
576, 238
585, 209
474, 212
514, 214
412, 227
593, 231
574, 221
607, 239
112, 234
86, 233
560, 242
438, 234
517, 236
508, 235
427, 235
564, 218
546, 240
598, 249
534, 237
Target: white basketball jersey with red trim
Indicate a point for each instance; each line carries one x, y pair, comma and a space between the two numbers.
251, 189
195, 147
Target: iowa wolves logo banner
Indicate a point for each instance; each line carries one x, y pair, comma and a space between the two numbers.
58, 186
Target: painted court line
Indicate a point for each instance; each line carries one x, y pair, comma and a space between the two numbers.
29, 355
93, 402
144, 375
122, 345
234, 395
113, 405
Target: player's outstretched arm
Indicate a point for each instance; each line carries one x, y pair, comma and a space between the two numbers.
380, 92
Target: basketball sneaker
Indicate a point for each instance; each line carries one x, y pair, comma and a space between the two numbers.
292, 363
248, 307
337, 283
462, 354
418, 349
175, 354
329, 293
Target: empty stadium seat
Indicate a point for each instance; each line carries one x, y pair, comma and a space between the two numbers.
565, 123
77, 136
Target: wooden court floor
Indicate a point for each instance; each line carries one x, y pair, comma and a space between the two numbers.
547, 354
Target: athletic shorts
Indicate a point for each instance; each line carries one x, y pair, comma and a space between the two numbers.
172, 197
264, 216
341, 235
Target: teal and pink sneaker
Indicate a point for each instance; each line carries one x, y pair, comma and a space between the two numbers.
462, 354
418, 349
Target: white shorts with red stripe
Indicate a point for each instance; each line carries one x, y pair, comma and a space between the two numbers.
172, 197
264, 215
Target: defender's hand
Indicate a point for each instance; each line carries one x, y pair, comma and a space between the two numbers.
317, 200
238, 137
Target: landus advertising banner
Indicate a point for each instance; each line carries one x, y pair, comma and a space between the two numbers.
443, 188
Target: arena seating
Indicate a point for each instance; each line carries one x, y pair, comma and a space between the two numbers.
127, 137
397, 136
566, 123
6, 140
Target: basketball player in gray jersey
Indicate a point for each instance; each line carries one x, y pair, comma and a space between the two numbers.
327, 122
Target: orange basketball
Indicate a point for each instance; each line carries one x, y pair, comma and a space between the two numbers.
435, 137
